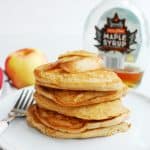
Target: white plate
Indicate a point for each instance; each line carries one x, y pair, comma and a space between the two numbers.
23, 137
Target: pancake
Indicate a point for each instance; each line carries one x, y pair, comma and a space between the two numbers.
70, 124
91, 112
108, 131
79, 98
95, 80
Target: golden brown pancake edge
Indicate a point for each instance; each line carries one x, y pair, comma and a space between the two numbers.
91, 112
34, 122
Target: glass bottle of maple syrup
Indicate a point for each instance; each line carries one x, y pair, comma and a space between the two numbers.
117, 30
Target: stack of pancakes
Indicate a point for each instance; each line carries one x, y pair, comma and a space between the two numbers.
76, 97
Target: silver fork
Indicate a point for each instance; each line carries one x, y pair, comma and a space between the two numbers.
19, 110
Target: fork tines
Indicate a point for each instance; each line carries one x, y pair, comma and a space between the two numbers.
25, 100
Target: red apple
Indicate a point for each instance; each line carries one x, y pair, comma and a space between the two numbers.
20, 66
1, 78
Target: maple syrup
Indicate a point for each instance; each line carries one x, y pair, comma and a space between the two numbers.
131, 76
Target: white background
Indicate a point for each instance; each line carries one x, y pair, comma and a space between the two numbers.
50, 25
53, 26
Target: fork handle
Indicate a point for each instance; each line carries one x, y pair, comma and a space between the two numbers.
3, 126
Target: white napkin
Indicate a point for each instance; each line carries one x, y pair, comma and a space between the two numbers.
6, 104
7, 99
4, 145
7, 89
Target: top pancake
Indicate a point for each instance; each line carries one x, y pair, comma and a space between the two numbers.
95, 80
78, 70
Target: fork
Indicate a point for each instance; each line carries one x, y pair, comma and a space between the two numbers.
19, 110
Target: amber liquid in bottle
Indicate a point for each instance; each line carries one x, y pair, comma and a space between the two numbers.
130, 75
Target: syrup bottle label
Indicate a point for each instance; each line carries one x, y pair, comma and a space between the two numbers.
118, 35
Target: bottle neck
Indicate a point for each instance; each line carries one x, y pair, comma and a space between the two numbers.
125, 1
108, 3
